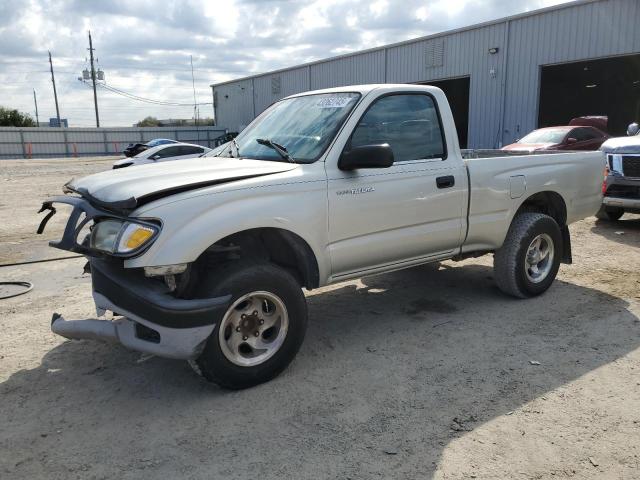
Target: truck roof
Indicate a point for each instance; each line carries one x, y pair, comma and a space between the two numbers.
366, 88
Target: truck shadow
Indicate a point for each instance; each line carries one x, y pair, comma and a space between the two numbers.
393, 369
629, 225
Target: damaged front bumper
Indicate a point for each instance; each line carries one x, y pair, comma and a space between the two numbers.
148, 318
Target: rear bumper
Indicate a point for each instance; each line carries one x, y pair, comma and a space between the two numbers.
626, 203
149, 318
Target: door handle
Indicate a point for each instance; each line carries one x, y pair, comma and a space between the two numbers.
446, 182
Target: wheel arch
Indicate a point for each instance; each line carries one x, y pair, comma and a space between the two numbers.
553, 204
548, 202
276, 245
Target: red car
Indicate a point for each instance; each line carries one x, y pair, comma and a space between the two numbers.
560, 138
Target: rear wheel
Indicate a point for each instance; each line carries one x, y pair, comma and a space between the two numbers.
609, 213
261, 331
527, 263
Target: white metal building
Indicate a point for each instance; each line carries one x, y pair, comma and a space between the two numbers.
503, 78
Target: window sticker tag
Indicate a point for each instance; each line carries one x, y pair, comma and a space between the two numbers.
333, 102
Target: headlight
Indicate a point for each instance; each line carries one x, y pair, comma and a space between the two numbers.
120, 237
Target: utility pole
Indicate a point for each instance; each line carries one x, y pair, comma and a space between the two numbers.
35, 100
55, 94
195, 102
93, 79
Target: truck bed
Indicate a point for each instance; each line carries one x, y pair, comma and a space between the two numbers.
498, 185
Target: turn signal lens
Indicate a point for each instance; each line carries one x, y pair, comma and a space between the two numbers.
134, 236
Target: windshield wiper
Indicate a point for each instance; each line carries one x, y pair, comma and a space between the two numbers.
282, 151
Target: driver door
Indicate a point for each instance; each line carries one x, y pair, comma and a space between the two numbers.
413, 210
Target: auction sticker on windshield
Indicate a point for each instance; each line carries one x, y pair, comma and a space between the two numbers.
333, 102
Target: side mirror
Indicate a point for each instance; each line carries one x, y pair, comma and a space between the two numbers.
155, 157
633, 129
571, 140
366, 156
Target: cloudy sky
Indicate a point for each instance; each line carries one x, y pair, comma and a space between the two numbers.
144, 46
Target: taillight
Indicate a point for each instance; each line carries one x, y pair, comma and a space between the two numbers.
604, 180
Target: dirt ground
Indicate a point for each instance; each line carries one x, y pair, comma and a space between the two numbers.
425, 373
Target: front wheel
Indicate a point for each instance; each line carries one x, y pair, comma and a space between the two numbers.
527, 263
261, 331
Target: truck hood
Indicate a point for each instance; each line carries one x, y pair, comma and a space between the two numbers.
129, 188
622, 145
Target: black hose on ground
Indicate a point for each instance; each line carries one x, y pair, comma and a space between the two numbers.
39, 261
28, 287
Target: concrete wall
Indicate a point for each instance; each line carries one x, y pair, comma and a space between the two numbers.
78, 142
504, 86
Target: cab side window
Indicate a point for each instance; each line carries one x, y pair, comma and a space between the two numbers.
408, 123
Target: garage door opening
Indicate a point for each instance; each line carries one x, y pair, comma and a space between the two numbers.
608, 87
457, 92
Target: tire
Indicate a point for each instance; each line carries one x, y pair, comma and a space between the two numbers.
609, 213
513, 275
229, 358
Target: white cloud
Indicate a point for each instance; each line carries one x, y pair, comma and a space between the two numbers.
144, 45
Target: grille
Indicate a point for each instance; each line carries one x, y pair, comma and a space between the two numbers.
631, 166
623, 191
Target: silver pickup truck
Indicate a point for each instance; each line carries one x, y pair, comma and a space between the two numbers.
205, 259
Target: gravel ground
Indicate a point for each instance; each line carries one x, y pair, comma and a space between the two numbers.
426, 373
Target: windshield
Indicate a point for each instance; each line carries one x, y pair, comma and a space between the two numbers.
545, 136
304, 126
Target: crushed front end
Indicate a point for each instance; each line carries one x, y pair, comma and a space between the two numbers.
150, 311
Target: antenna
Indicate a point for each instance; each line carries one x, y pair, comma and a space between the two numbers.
195, 102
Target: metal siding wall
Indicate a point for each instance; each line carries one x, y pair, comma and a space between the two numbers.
234, 104
573, 33
581, 32
354, 70
291, 82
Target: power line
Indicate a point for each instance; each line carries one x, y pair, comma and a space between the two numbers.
147, 100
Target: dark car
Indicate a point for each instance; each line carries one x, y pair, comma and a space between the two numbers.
135, 148
560, 138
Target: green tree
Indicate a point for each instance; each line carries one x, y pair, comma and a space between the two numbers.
148, 122
13, 118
